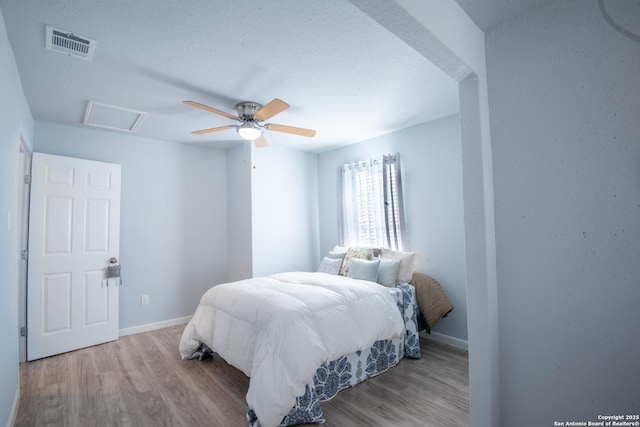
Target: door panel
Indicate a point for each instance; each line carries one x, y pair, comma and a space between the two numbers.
74, 229
56, 300
97, 301
96, 225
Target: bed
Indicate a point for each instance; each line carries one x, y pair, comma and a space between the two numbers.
302, 337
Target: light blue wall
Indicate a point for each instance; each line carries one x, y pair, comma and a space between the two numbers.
284, 211
431, 161
239, 212
173, 237
564, 94
15, 118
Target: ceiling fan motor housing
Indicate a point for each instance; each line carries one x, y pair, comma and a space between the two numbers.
247, 110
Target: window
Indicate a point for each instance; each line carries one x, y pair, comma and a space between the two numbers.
372, 212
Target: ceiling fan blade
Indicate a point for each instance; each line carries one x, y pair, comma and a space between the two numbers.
210, 109
271, 109
260, 142
290, 129
200, 132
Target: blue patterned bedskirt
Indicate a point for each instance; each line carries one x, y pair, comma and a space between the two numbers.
354, 368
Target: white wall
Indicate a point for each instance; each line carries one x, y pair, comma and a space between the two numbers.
173, 235
431, 162
565, 102
15, 118
284, 211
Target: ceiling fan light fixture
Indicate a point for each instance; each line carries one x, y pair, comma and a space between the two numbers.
249, 131
251, 115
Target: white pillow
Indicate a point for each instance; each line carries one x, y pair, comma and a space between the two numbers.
407, 263
363, 270
338, 248
330, 265
388, 272
336, 255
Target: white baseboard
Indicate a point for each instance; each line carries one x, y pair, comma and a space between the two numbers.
453, 341
153, 326
14, 408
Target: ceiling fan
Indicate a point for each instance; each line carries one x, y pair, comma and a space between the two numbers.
251, 115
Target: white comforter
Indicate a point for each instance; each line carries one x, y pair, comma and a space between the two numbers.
279, 329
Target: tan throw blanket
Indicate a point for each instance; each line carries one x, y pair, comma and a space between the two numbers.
433, 303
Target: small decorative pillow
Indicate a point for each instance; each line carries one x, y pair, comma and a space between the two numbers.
407, 263
360, 253
363, 270
388, 272
330, 265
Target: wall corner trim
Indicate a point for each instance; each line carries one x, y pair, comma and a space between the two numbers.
446, 339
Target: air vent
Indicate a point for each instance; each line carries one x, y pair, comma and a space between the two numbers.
62, 41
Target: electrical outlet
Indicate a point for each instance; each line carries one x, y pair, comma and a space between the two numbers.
144, 300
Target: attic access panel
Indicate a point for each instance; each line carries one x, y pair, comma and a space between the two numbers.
113, 117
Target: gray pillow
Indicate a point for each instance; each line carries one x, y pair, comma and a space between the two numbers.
363, 270
330, 265
388, 272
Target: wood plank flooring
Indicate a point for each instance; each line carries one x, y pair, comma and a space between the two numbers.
140, 380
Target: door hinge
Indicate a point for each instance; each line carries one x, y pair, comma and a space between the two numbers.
23, 331
27, 179
25, 254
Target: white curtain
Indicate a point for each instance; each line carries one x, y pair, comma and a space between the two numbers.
371, 211
393, 202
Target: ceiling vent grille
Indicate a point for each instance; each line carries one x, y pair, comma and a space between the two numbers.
65, 42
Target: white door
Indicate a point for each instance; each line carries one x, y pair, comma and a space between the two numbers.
74, 229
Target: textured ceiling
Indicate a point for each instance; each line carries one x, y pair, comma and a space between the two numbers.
490, 13
342, 73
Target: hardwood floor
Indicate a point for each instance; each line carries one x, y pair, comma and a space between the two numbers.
140, 380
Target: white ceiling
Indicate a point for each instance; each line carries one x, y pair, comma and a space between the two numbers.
342, 73
488, 14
